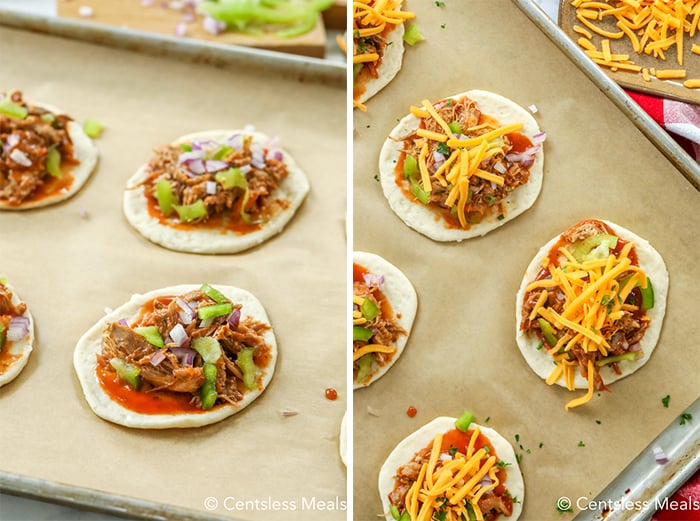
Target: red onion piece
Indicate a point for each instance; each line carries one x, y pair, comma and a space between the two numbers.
196, 166
234, 318
214, 165
213, 26
211, 187
12, 140
187, 314
187, 157
19, 328
157, 358
123, 322
184, 355
288, 413
178, 335
500, 167
438, 157
180, 29
539, 138
373, 280
660, 455
20, 157
245, 169
235, 141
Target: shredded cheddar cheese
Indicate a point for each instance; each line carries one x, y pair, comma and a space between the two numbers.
373, 17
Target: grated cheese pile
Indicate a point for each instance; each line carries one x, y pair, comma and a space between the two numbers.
595, 292
466, 156
653, 27
454, 484
358, 320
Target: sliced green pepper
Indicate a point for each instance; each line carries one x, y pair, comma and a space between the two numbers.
365, 367
410, 166
417, 190
369, 309
232, 178
647, 295
470, 512
246, 363
165, 196
12, 109
93, 128
361, 333
207, 393
151, 334
48, 118
53, 162
129, 373
547, 332
3, 336
222, 152
185, 147
632, 355
394, 512
208, 347
213, 294
216, 310
191, 212
356, 69
413, 35
455, 127
594, 247
463, 422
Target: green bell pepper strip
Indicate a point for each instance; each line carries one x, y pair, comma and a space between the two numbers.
245, 362
419, 192
191, 212
394, 512
356, 69
12, 109
583, 249
222, 152
307, 23
165, 197
93, 128
456, 127
207, 393
547, 332
213, 294
463, 422
361, 333
208, 347
48, 118
632, 355
470, 512
3, 336
215, 310
232, 178
647, 295
369, 309
53, 162
127, 372
151, 334
413, 35
185, 147
365, 367
410, 167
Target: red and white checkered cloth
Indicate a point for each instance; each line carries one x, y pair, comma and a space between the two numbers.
680, 120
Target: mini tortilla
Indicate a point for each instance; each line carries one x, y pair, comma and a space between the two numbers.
84, 150
409, 446
650, 261
205, 240
402, 297
343, 441
21, 349
390, 65
417, 216
89, 345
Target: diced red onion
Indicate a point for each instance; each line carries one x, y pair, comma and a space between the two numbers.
257, 163
234, 318
12, 140
235, 142
539, 138
288, 413
184, 355
213, 26
196, 166
20, 157
203, 144
660, 455
500, 167
533, 108
188, 157
485, 482
214, 165
275, 154
180, 29
245, 169
19, 328
373, 280
85, 11
188, 17
157, 357
438, 157
178, 335
210, 187
123, 322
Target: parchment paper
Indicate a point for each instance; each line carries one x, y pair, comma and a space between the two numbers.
69, 269
462, 352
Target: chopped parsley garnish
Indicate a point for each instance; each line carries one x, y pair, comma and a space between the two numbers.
500, 217
487, 419
516, 499
665, 400
598, 422
442, 26
439, 4
487, 449
686, 416
452, 450
517, 437
540, 345
440, 515
443, 149
541, 445
581, 444
502, 464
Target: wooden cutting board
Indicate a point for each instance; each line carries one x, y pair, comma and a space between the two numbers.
159, 18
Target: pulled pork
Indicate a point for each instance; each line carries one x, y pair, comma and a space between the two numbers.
206, 173
25, 147
178, 368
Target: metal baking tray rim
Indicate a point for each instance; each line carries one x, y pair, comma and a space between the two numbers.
652, 130
212, 53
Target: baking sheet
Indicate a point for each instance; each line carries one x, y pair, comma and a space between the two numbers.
69, 268
633, 80
462, 352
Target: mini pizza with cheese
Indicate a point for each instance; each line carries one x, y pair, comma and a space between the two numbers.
590, 307
462, 166
219, 191
378, 30
181, 356
45, 156
452, 469
384, 306
16, 333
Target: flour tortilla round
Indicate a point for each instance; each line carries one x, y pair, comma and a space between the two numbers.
135, 205
84, 150
419, 217
89, 345
390, 65
653, 265
413, 443
343, 441
21, 348
402, 297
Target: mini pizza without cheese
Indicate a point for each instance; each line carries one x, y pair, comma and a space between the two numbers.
220, 191
377, 45
45, 157
452, 469
462, 166
590, 307
384, 307
16, 334
182, 356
